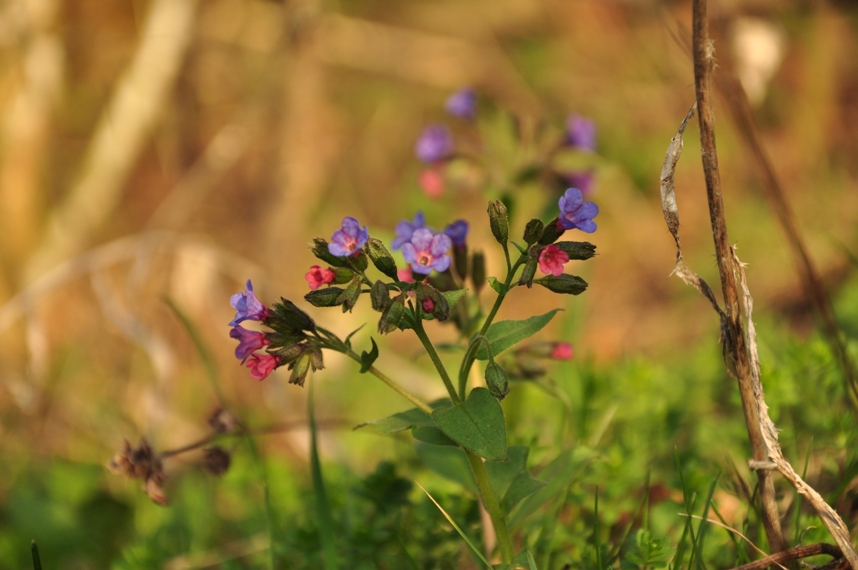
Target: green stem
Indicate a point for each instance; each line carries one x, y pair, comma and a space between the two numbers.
392, 384
492, 505
469, 358
433, 354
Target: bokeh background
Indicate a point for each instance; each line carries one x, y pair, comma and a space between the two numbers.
171, 149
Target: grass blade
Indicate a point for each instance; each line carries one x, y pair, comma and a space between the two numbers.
701, 529
37, 562
327, 532
455, 526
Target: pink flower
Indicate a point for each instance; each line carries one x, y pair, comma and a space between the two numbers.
261, 365
432, 182
552, 259
248, 341
562, 351
317, 277
405, 274
428, 305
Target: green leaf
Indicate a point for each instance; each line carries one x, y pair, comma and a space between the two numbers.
449, 462
504, 334
368, 358
522, 486
454, 297
432, 435
511, 480
498, 286
476, 424
415, 417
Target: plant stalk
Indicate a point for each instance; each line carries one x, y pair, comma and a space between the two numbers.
492, 505
436, 360
703, 54
392, 384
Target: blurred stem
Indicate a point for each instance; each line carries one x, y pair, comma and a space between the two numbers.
433, 354
392, 384
492, 505
470, 357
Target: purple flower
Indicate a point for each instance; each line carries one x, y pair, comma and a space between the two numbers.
580, 132
462, 103
348, 240
457, 232
248, 341
576, 213
405, 229
247, 306
426, 251
582, 180
435, 144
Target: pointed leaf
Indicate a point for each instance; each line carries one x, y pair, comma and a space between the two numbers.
504, 334
522, 486
476, 424
432, 435
498, 286
368, 358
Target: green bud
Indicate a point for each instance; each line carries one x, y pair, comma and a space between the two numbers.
381, 258
300, 367
392, 315
566, 284
497, 380
533, 231
287, 317
359, 261
327, 297
552, 232
320, 250
577, 249
499, 221
289, 353
349, 297
478, 270
528, 273
460, 260
380, 296
342, 275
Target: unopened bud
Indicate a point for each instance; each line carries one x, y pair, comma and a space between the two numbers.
327, 297
381, 258
392, 315
216, 460
533, 231
497, 380
478, 270
552, 232
566, 284
579, 250
320, 250
499, 221
379, 295
528, 273
349, 297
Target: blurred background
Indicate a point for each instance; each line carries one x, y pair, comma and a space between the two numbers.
172, 149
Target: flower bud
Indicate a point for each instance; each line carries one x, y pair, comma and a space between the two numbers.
564, 283
216, 460
320, 250
381, 258
327, 297
379, 295
460, 260
528, 273
552, 232
497, 380
392, 315
359, 261
291, 316
342, 275
300, 368
577, 249
478, 270
499, 221
533, 231
349, 297
433, 302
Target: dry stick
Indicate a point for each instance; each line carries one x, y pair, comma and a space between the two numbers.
702, 50
795, 553
740, 109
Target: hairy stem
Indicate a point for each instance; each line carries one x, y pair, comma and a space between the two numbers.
433, 354
492, 505
703, 54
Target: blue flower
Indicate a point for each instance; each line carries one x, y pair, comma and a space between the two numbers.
580, 132
405, 229
435, 144
575, 213
247, 306
457, 232
427, 251
462, 103
348, 240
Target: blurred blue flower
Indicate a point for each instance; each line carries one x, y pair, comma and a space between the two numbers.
435, 144
462, 103
457, 232
580, 132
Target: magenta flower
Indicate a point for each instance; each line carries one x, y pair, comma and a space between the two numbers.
580, 132
248, 341
462, 103
247, 306
427, 251
317, 277
457, 232
261, 365
575, 213
405, 229
405, 274
552, 259
562, 351
435, 144
349, 239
